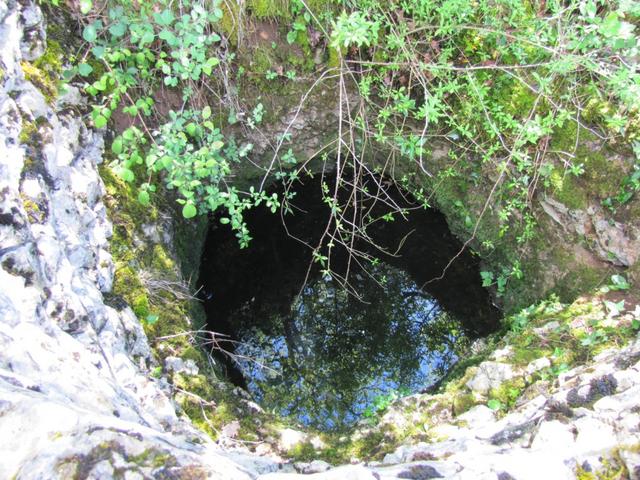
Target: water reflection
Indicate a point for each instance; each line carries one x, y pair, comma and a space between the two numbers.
332, 355
328, 355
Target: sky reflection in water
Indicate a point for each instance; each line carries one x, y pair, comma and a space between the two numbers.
334, 357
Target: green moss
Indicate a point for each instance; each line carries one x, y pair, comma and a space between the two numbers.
272, 9
261, 61
372, 446
613, 468
602, 174
128, 286
161, 261
152, 458
463, 402
34, 213
230, 22
514, 97
334, 58
523, 353
281, 9
508, 393
578, 279
46, 71
303, 452
29, 134
40, 80
51, 60
567, 190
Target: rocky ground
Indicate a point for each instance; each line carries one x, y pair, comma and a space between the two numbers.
557, 397
75, 396
536, 420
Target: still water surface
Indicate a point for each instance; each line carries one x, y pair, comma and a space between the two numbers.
322, 354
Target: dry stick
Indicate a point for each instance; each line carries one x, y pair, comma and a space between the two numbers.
357, 229
212, 340
426, 119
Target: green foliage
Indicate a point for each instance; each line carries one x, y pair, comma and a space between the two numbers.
499, 83
143, 49
353, 29
629, 186
504, 398
382, 402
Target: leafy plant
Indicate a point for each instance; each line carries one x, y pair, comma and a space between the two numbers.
353, 29
135, 50
618, 282
629, 186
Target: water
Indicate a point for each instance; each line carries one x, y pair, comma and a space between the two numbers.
327, 355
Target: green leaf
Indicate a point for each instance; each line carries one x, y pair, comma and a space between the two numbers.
494, 404
611, 25
151, 319
164, 18
118, 29
143, 197
168, 37
116, 146
85, 6
85, 69
292, 36
147, 37
90, 33
189, 210
100, 121
217, 145
224, 220
208, 67
619, 283
127, 175
98, 52
614, 308
191, 129
206, 112
487, 278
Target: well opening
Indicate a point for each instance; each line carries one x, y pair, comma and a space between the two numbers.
327, 348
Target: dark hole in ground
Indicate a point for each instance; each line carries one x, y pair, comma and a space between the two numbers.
318, 353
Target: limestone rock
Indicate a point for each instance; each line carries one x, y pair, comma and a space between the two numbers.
538, 364
613, 242
290, 438
315, 466
490, 375
348, 472
75, 396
